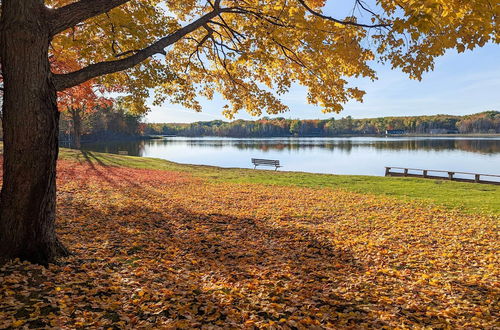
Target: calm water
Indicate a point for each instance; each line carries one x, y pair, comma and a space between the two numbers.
356, 155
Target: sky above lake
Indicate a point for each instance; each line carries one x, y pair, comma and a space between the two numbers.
460, 84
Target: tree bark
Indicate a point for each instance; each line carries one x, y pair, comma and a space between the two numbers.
31, 124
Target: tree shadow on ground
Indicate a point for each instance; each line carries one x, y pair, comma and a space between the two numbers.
148, 259
215, 256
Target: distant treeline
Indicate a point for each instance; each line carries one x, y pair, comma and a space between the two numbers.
104, 123
484, 122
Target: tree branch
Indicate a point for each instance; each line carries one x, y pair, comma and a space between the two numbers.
70, 15
64, 81
315, 13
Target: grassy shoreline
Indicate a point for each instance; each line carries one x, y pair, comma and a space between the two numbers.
467, 197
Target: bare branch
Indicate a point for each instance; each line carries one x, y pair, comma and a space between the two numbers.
64, 81
365, 8
70, 15
230, 31
315, 13
199, 44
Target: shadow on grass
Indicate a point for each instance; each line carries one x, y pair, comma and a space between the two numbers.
226, 269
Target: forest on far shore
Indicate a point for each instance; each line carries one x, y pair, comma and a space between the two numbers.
117, 123
487, 122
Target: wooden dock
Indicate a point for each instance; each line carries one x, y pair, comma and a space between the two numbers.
434, 174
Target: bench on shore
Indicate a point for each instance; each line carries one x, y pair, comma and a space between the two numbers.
266, 162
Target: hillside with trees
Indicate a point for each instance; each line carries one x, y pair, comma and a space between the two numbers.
487, 122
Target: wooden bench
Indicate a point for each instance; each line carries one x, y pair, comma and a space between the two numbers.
266, 162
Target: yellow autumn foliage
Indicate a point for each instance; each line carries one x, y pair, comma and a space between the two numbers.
253, 52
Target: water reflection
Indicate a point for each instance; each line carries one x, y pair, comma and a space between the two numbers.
323, 155
133, 148
479, 146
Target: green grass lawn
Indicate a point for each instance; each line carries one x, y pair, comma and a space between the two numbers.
468, 197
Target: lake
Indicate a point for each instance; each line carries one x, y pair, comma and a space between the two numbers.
353, 155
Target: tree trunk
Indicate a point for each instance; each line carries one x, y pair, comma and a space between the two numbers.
31, 124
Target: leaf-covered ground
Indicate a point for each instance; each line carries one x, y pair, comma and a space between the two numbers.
164, 249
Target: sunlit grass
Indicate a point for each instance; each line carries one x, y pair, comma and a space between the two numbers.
467, 197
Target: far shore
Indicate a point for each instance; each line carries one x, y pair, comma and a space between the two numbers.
489, 135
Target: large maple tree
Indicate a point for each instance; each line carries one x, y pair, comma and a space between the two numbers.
250, 51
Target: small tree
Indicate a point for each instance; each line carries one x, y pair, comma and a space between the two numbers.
79, 101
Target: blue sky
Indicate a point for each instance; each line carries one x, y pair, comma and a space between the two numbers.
460, 84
